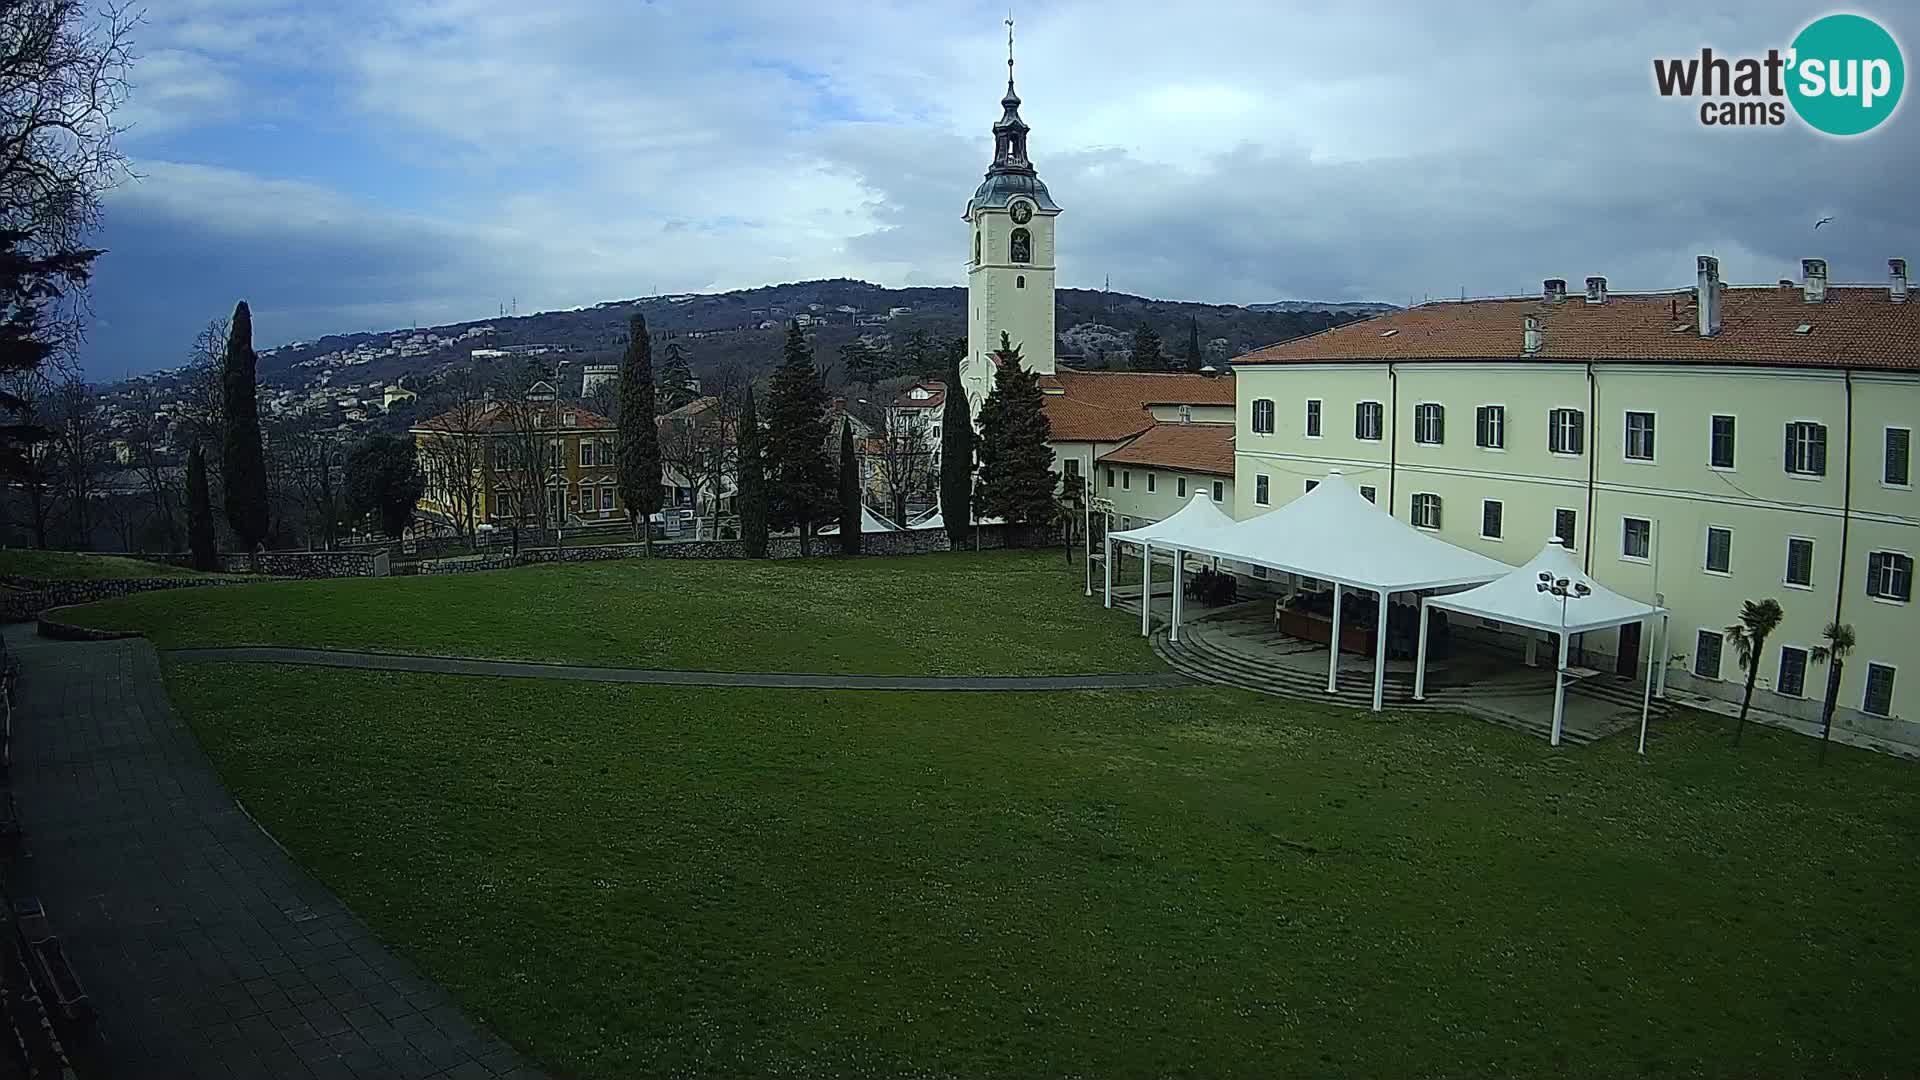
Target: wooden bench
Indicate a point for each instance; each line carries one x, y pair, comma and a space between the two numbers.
53, 976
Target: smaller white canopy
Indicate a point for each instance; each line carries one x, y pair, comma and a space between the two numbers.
1516, 598
1199, 520
937, 520
870, 522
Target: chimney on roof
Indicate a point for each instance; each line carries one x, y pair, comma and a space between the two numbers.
1897, 280
1706, 299
1530, 344
1554, 290
1815, 273
1596, 290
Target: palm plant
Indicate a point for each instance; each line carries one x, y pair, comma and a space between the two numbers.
1839, 645
1749, 640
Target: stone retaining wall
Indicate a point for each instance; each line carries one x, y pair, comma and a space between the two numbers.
300, 564
904, 542
34, 596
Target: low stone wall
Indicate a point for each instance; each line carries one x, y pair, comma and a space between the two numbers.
300, 564
903, 542
33, 597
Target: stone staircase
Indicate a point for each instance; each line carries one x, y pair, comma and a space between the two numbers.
1207, 654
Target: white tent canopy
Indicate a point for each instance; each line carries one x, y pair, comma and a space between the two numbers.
1526, 596
1332, 533
870, 522
1200, 518
937, 520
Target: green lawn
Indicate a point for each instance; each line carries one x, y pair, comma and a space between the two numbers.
1014, 613
633, 881
81, 566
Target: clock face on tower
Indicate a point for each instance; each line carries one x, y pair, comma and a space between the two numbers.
1022, 213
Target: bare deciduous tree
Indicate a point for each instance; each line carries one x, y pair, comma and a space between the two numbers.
455, 463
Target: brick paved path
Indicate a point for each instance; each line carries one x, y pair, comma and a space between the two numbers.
206, 952
460, 665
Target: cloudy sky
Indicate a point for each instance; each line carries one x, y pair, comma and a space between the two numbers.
358, 164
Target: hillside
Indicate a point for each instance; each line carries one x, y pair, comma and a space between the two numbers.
744, 328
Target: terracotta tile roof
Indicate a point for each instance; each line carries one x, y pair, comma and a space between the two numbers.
498, 419
936, 397
1201, 448
1107, 406
1856, 326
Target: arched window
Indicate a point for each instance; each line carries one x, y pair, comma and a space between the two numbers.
1020, 282
1022, 246
976, 247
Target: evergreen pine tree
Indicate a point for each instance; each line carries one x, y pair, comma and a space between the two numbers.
1146, 350
956, 454
1016, 462
800, 480
1195, 359
751, 489
243, 464
860, 361
676, 378
850, 501
639, 445
199, 511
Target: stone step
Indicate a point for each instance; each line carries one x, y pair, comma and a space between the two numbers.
1208, 666
1359, 683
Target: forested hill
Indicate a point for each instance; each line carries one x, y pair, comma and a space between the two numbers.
744, 328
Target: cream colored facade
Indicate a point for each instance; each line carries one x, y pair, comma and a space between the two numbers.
1143, 494
1848, 513
1007, 295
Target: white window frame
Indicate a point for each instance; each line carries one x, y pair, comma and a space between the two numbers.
1735, 467
1826, 442
1484, 503
1780, 666
1414, 515
606, 498
1693, 659
1254, 420
586, 454
1626, 436
1884, 433
1786, 571
1706, 551
1554, 428
1866, 684
1262, 490
1573, 542
1624, 557
1380, 419
1315, 419
1497, 422
1427, 413
1885, 599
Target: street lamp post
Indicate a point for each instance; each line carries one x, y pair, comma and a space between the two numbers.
1566, 589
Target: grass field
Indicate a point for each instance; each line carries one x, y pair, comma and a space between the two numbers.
638, 881
81, 566
1014, 613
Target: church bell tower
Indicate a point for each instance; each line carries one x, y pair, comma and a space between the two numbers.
1010, 254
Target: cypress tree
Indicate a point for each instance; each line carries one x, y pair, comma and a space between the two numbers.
676, 378
800, 480
1016, 462
1146, 350
850, 501
199, 511
1194, 358
751, 490
639, 445
243, 465
956, 455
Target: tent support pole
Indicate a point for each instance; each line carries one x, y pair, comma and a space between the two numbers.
1533, 642
1420, 661
1333, 644
1106, 569
1559, 691
1380, 655
1665, 651
1646, 695
1146, 590
1173, 628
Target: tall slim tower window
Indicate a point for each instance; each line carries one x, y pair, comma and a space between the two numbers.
1022, 246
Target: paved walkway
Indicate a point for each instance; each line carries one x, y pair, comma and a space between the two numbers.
206, 952
455, 665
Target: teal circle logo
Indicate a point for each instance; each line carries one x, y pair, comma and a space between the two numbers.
1846, 74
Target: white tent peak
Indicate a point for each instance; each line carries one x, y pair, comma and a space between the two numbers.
1201, 517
